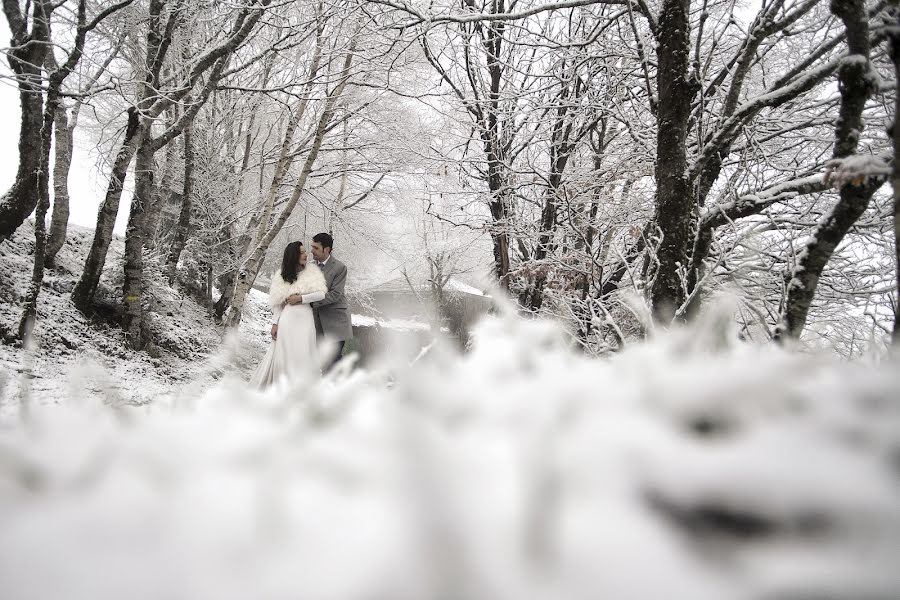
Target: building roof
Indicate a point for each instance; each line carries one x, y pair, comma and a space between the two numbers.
395, 324
401, 286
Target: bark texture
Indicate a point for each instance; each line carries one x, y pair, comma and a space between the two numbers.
59, 222
26, 57
894, 39
29, 313
182, 228
856, 83
134, 247
674, 198
162, 195
495, 151
561, 149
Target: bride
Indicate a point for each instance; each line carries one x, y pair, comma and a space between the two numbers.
293, 351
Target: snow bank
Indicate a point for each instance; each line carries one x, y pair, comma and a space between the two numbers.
396, 324
519, 471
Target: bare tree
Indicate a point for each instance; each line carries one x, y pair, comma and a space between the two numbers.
179, 238
65, 124
55, 82
159, 90
250, 266
857, 82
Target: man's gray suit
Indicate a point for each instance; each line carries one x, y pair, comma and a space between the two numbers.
332, 314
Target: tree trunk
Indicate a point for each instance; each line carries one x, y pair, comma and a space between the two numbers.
584, 285
227, 283
29, 46
161, 193
494, 150
674, 205
63, 162
583, 310
182, 229
228, 280
26, 324
84, 291
20, 200
894, 37
560, 151
209, 283
499, 216
856, 85
134, 246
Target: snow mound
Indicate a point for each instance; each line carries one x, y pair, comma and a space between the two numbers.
519, 471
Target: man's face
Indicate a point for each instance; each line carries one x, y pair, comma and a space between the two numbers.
319, 253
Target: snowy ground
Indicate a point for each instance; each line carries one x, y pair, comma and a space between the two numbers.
76, 356
691, 467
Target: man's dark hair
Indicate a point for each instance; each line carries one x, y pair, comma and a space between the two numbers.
325, 239
290, 262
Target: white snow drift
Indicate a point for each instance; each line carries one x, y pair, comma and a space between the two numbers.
520, 471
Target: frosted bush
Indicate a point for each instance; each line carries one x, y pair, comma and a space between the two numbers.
519, 471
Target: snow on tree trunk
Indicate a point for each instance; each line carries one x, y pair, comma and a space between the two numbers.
84, 291
495, 156
499, 215
674, 198
62, 163
560, 150
894, 37
29, 313
26, 58
134, 246
17, 203
161, 192
182, 229
708, 169
856, 83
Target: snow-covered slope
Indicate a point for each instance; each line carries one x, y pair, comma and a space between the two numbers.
519, 471
90, 353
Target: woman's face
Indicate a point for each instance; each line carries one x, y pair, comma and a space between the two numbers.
302, 259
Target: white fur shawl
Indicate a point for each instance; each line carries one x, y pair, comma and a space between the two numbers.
309, 280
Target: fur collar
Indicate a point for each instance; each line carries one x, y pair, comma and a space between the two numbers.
309, 280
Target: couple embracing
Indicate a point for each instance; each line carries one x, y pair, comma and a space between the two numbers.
309, 313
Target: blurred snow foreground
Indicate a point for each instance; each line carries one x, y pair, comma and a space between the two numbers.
686, 467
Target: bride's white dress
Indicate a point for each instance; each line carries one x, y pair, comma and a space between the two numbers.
293, 354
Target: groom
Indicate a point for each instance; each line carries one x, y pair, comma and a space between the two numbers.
331, 314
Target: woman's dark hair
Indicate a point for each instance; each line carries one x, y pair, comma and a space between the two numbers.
290, 263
